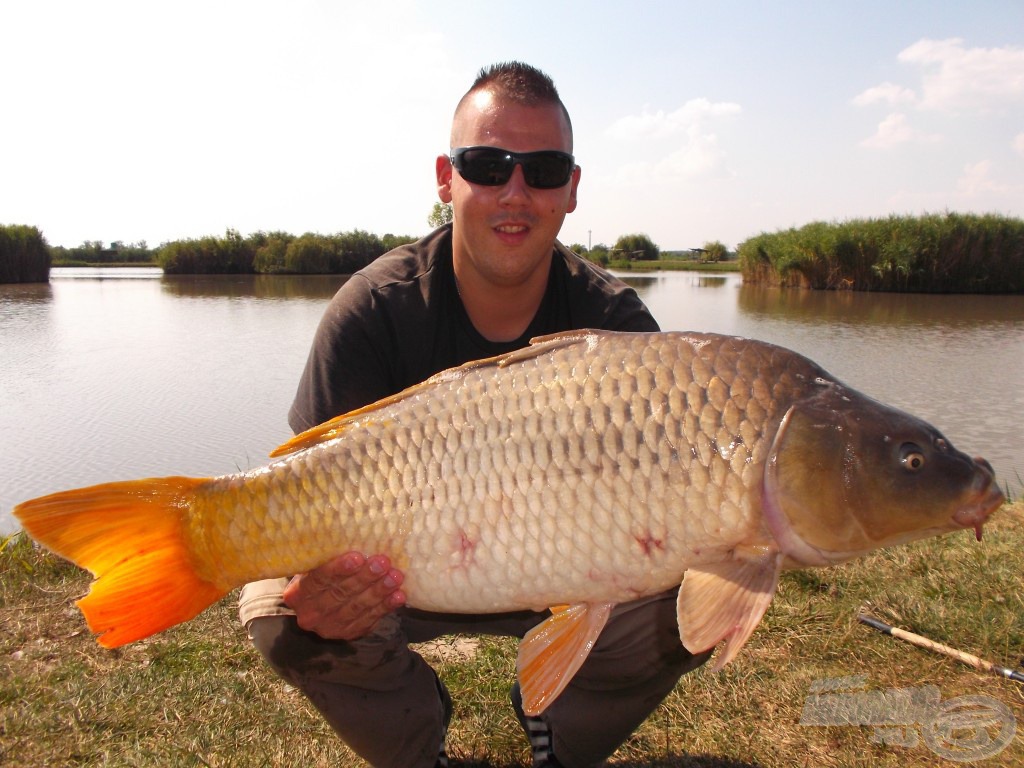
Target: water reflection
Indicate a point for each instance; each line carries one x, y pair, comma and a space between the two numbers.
312, 287
834, 307
640, 282
647, 281
710, 281
16, 296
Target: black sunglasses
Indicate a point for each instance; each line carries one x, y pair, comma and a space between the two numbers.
493, 166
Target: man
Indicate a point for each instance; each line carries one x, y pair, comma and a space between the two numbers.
481, 286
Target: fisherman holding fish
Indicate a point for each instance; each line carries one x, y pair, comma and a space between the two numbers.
482, 286
563, 492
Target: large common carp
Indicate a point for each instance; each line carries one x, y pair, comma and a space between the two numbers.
585, 470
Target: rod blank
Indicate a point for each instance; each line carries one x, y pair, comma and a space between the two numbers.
931, 645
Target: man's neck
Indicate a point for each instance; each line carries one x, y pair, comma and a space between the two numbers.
501, 313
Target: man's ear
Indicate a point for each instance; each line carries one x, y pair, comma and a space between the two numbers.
575, 183
444, 171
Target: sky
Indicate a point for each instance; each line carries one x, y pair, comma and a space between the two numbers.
694, 122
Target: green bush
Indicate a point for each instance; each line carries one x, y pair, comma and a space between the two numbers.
277, 253
24, 255
231, 254
269, 258
634, 247
937, 253
310, 254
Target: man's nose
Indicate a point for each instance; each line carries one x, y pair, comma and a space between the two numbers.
516, 186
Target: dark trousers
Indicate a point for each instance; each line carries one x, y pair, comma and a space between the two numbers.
382, 698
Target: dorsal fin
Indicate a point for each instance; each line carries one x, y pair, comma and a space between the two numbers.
334, 427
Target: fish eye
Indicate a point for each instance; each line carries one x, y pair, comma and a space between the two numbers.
911, 457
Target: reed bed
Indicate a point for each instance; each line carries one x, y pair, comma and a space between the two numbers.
939, 253
24, 255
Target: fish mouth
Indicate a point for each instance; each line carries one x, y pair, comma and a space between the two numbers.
985, 500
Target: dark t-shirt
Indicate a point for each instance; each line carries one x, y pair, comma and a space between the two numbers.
400, 320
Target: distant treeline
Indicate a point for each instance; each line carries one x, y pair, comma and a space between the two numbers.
24, 255
260, 252
938, 253
92, 252
276, 253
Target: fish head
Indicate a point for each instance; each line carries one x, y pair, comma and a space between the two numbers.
847, 475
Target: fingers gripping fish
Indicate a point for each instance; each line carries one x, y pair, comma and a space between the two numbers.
588, 469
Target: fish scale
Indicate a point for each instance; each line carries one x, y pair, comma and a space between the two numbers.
619, 466
586, 470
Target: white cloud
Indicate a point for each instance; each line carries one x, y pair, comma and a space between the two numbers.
661, 124
701, 155
886, 93
1018, 144
896, 129
693, 151
954, 77
977, 180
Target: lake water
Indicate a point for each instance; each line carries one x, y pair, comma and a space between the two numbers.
122, 374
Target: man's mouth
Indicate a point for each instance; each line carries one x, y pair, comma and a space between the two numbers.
511, 229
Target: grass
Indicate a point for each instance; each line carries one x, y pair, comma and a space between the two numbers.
198, 695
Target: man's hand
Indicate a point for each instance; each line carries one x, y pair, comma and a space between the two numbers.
345, 597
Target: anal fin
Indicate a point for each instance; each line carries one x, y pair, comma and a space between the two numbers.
554, 650
726, 601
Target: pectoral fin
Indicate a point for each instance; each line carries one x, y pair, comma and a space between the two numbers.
725, 601
554, 650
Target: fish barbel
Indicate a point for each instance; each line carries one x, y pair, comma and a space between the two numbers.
588, 469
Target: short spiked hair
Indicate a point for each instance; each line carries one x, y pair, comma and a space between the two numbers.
519, 83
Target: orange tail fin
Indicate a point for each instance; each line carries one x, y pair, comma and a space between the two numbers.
129, 535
